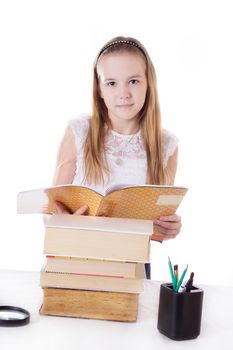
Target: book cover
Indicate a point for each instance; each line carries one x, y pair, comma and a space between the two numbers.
123, 201
90, 304
100, 223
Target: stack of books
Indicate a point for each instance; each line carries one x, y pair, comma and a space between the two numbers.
95, 266
95, 263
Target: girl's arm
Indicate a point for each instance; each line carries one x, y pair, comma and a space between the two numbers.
66, 159
171, 168
65, 169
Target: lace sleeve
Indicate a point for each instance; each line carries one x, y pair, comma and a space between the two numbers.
170, 142
80, 128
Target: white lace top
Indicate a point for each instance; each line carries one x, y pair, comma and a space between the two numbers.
125, 155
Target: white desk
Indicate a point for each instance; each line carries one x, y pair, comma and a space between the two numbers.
47, 332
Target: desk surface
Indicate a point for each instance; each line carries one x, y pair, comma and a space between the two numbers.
47, 332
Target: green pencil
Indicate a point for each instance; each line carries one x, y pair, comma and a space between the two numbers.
172, 274
181, 279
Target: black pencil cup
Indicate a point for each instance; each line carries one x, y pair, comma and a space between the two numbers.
179, 314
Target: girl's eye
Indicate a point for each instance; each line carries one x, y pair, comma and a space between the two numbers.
111, 83
134, 82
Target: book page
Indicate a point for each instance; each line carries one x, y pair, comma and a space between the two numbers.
43, 200
117, 187
142, 202
73, 197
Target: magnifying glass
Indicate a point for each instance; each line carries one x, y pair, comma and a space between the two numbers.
12, 316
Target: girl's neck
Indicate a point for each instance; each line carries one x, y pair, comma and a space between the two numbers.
126, 128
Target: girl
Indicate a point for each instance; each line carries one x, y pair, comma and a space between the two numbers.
122, 141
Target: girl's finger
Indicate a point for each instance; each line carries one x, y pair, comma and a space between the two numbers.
171, 218
168, 225
61, 208
81, 210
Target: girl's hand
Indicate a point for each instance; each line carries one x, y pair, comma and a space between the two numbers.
167, 227
62, 209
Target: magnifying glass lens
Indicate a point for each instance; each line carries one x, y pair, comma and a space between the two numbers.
11, 316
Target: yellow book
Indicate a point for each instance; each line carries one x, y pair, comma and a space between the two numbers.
146, 202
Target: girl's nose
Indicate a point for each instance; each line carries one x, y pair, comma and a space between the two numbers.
125, 97
125, 93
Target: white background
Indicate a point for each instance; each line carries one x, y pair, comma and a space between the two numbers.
47, 51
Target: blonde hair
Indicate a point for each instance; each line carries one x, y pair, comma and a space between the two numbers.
149, 119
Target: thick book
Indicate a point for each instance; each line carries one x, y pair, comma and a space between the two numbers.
87, 282
98, 237
124, 201
94, 267
90, 304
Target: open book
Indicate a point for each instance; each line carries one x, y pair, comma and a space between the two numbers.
146, 202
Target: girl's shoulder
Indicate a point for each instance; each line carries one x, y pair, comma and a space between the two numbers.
170, 142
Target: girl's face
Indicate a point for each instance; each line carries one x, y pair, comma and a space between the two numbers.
123, 86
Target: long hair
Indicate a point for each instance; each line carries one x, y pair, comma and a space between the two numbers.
96, 167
